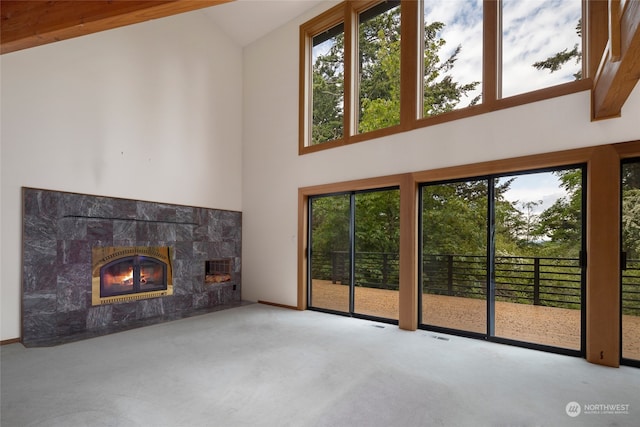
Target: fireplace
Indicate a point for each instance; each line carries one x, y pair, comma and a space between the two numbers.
130, 273
150, 257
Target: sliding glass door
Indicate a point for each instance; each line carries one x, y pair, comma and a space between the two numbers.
354, 253
330, 262
454, 255
501, 258
630, 295
537, 266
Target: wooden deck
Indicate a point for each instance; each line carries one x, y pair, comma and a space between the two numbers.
558, 327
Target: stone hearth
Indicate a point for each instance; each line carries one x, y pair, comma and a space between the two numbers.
61, 229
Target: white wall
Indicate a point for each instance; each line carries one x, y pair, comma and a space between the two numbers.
149, 112
273, 171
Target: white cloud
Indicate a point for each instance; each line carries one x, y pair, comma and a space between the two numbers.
534, 187
533, 30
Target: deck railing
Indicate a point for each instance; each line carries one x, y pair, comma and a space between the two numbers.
553, 282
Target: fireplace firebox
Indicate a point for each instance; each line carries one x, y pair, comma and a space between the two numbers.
130, 273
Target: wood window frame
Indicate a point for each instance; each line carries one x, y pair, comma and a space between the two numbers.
603, 335
347, 13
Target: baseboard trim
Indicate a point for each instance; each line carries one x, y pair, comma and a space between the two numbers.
275, 304
11, 341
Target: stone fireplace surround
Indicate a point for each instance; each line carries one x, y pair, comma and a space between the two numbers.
59, 231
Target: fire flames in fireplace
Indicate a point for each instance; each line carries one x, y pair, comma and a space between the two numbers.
125, 274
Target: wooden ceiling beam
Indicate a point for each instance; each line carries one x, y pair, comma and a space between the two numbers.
616, 77
28, 24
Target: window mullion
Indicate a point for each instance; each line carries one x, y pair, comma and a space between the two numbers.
350, 84
491, 52
409, 70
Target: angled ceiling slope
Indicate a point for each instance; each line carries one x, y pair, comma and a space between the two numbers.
245, 21
28, 24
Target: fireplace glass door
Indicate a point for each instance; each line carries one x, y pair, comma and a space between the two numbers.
132, 274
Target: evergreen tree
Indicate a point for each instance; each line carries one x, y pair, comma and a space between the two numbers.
379, 78
555, 62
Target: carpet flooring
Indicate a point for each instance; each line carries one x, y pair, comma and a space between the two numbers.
258, 365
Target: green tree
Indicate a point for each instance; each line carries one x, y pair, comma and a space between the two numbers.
378, 221
557, 61
379, 84
328, 94
631, 209
560, 225
455, 218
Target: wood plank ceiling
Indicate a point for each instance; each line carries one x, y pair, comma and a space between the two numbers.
28, 24
615, 34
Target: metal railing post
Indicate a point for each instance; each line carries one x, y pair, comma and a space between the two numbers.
536, 281
450, 274
334, 267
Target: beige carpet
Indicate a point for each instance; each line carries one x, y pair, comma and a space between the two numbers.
258, 365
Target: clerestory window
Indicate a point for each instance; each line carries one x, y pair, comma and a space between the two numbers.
374, 68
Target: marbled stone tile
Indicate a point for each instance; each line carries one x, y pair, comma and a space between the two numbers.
184, 232
39, 228
166, 232
200, 233
201, 216
184, 214
71, 204
73, 281
39, 277
40, 252
181, 269
125, 208
99, 317
182, 250
124, 230
124, 312
182, 286
125, 242
38, 326
231, 233
149, 308
70, 228
198, 284
214, 298
168, 305
225, 249
37, 303
101, 230
228, 294
156, 211
146, 231
201, 252
166, 213
100, 207
71, 322
183, 302
40, 203
200, 300
74, 252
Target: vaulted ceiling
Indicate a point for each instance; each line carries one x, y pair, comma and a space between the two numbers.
614, 43
33, 23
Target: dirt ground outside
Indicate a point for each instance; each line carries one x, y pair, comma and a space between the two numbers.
558, 327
